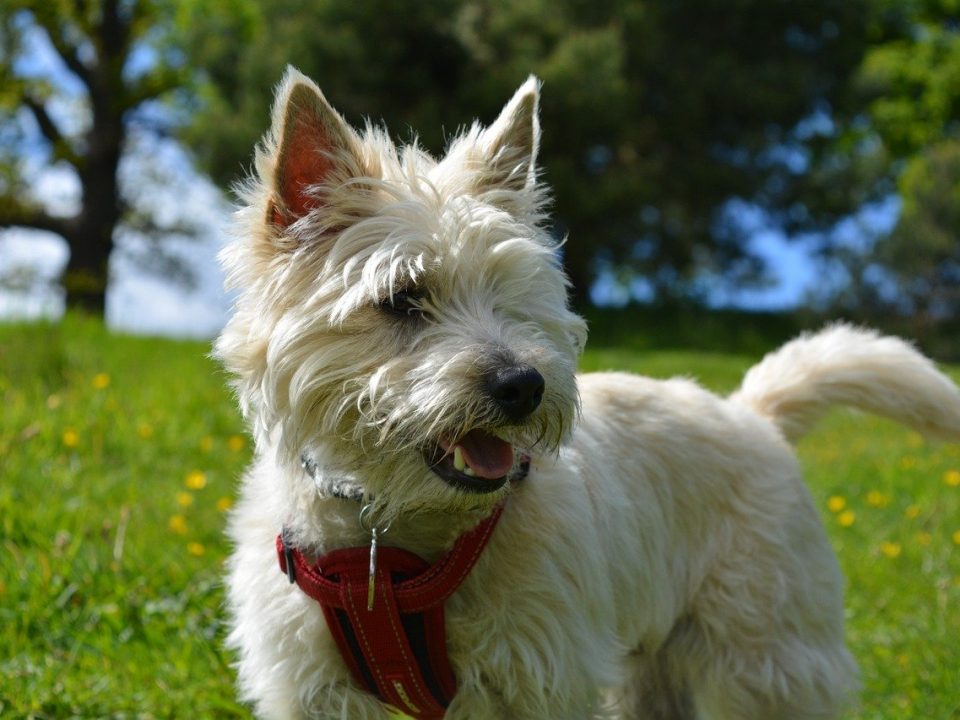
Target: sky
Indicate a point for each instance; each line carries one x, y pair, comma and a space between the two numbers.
144, 303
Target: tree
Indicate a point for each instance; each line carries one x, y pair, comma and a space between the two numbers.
655, 113
922, 254
117, 53
908, 87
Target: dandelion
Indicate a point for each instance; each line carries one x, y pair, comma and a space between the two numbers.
836, 503
846, 518
206, 444
101, 381
196, 480
145, 431
178, 524
877, 499
236, 443
956, 537
70, 438
184, 499
195, 548
890, 549
924, 538
224, 504
912, 512
952, 478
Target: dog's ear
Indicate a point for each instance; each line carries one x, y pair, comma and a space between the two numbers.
511, 143
315, 148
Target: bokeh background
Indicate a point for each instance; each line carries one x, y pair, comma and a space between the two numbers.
726, 173
753, 154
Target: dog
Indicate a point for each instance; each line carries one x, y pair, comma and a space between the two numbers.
402, 349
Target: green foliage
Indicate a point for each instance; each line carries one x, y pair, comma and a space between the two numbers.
923, 252
117, 454
654, 113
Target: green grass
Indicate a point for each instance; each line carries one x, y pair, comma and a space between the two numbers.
111, 551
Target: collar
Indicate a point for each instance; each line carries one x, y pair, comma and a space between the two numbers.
344, 489
340, 488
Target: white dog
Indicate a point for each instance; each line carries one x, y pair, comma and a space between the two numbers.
401, 343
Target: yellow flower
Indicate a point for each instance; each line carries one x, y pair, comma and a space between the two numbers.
195, 548
924, 538
145, 431
952, 478
836, 503
236, 443
903, 659
196, 480
907, 463
206, 443
224, 504
70, 438
890, 549
846, 518
101, 381
877, 499
178, 524
912, 512
184, 499
956, 537
915, 440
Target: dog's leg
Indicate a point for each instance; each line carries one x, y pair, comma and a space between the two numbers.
654, 690
788, 677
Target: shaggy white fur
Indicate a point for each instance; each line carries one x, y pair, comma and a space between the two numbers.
662, 559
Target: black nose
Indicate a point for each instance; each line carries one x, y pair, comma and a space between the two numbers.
518, 390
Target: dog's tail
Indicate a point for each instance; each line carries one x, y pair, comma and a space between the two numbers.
842, 365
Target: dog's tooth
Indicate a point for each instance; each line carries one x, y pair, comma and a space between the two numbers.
458, 462
468, 471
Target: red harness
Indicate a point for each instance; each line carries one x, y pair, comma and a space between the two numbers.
397, 650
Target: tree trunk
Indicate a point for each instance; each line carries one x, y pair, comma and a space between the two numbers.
85, 278
91, 243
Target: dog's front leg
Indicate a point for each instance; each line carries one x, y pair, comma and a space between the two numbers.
323, 702
486, 703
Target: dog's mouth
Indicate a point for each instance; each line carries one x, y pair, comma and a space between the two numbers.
477, 462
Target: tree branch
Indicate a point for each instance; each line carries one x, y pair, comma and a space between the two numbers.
61, 146
51, 23
153, 85
16, 213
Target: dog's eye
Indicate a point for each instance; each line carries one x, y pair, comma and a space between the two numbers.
406, 303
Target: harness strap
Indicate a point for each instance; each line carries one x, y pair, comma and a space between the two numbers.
397, 650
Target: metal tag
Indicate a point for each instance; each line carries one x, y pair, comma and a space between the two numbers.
372, 578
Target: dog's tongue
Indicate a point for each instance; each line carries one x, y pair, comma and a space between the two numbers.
489, 457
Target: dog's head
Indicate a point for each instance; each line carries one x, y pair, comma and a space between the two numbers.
403, 319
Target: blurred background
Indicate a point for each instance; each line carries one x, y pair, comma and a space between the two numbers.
798, 158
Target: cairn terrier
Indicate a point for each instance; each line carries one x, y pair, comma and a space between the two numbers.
401, 343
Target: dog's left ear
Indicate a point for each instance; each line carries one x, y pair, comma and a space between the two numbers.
511, 143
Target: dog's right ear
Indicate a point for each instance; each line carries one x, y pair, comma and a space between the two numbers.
316, 150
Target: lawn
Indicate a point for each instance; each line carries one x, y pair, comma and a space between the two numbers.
119, 457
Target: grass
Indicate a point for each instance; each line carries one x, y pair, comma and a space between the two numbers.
118, 456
